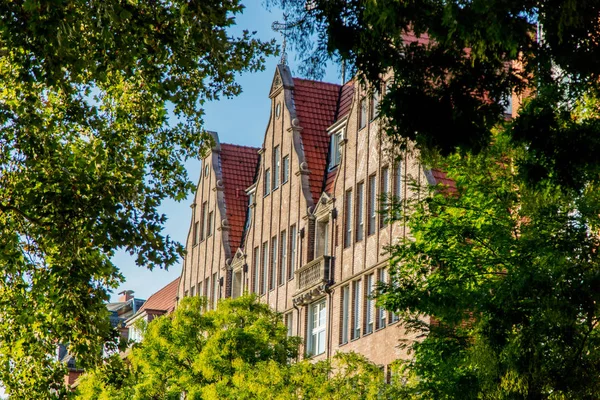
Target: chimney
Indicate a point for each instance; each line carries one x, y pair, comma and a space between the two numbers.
125, 295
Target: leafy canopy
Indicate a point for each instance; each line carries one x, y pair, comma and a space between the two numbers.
238, 351
507, 277
100, 105
460, 62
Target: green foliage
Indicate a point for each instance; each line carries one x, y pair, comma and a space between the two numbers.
88, 152
507, 277
238, 351
470, 57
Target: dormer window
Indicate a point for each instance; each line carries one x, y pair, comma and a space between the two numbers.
335, 150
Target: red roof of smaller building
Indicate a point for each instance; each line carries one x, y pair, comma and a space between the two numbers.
163, 300
316, 105
238, 168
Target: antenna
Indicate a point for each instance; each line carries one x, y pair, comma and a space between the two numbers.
283, 27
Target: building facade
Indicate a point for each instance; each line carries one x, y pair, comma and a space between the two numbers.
301, 221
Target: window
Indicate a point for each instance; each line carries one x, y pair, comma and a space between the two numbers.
283, 263
360, 220
397, 187
273, 266
250, 207
267, 182
348, 222
335, 151
215, 294
375, 103
192, 289
362, 118
371, 210
285, 172
293, 233
265, 267
317, 321
276, 166
256, 270
195, 233
345, 314
207, 288
393, 316
204, 216
356, 296
369, 305
381, 314
289, 323
385, 176
200, 289
322, 238
210, 224
236, 283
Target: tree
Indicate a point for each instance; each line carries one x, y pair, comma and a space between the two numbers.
502, 282
238, 351
461, 61
100, 105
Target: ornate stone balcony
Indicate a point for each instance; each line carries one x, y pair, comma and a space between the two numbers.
312, 278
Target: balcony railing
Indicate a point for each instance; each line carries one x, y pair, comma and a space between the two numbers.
314, 273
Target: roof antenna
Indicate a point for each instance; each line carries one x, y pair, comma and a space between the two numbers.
283, 27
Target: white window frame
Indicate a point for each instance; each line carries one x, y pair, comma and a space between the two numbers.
293, 250
356, 309
369, 305
345, 323
283, 257
335, 149
317, 325
276, 166
360, 215
285, 170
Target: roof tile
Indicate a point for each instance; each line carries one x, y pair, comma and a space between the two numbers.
164, 299
238, 168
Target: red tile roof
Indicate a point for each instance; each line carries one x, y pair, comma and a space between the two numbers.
163, 300
330, 181
238, 168
346, 95
316, 104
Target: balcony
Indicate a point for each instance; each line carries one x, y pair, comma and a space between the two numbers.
312, 278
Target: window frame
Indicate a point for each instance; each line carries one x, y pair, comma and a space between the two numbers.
315, 332
359, 220
267, 182
285, 164
293, 250
348, 219
276, 167
362, 113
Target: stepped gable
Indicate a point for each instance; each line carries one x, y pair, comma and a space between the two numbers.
238, 167
163, 300
316, 104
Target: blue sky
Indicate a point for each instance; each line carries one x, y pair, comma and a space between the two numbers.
241, 120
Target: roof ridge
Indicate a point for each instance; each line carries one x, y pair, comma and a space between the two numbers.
315, 81
241, 146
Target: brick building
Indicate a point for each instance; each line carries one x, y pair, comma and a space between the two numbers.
299, 220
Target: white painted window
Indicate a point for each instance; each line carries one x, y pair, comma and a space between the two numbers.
381, 313
273, 267
345, 314
322, 238
317, 326
348, 222
289, 323
335, 151
276, 166
293, 238
286, 169
215, 295
360, 220
283, 258
265, 267
362, 118
371, 209
369, 305
256, 270
356, 307
385, 194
